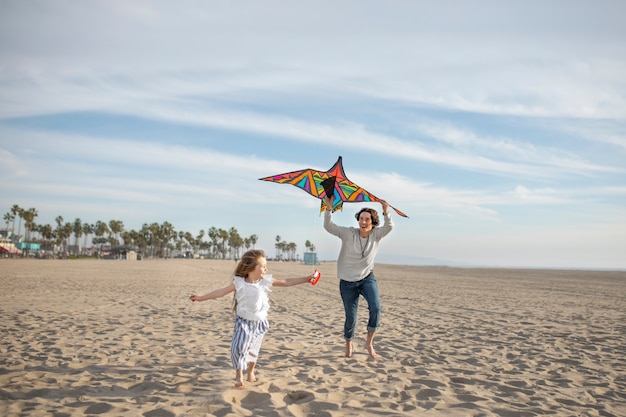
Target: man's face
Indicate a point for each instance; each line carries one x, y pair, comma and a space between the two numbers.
365, 221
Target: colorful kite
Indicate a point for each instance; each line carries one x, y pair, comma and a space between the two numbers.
322, 183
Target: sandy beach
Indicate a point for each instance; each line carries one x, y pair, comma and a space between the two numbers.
117, 338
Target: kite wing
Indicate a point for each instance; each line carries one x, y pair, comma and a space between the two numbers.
326, 183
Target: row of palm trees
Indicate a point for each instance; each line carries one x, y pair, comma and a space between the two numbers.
152, 240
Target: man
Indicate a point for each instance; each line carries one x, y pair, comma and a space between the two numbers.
355, 268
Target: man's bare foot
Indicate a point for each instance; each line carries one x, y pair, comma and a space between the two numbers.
238, 383
371, 351
349, 349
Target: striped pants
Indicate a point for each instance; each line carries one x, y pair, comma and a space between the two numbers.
246, 343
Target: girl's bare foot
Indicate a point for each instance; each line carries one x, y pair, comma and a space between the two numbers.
251, 376
348, 349
238, 378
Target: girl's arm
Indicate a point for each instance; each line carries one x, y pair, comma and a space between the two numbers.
214, 294
291, 281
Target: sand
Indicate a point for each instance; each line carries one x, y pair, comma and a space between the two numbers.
116, 338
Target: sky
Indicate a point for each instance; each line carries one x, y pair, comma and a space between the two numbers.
499, 128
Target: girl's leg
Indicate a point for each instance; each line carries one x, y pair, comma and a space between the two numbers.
238, 378
251, 377
252, 356
350, 298
242, 338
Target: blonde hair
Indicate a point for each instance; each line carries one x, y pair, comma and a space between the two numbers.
247, 264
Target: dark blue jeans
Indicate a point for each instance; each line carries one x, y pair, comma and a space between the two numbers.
350, 291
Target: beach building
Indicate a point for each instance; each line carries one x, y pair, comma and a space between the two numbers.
8, 249
310, 258
30, 246
124, 253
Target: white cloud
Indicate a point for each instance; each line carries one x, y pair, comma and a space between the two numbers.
484, 62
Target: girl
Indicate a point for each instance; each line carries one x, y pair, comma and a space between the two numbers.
251, 285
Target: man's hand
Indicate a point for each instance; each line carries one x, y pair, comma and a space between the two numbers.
329, 202
385, 207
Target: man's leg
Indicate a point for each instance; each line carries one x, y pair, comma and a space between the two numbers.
369, 290
350, 298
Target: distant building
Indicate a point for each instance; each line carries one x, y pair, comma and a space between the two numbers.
31, 246
310, 258
8, 249
123, 253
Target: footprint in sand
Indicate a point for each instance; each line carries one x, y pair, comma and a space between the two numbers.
298, 397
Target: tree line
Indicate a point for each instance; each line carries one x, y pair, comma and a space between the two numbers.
152, 240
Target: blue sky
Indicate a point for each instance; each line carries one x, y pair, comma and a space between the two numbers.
498, 127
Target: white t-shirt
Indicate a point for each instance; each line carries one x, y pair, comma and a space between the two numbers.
253, 302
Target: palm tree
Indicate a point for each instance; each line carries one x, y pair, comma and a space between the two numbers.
154, 241
234, 242
223, 236
87, 230
214, 236
116, 227
190, 241
277, 246
15, 210
292, 251
58, 232
29, 218
127, 239
253, 240
77, 228
206, 247
198, 241
68, 229
29, 222
8, 217
47, 233
179, 242
137, 240
146, 239
166, 234
20, 214
100, 229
